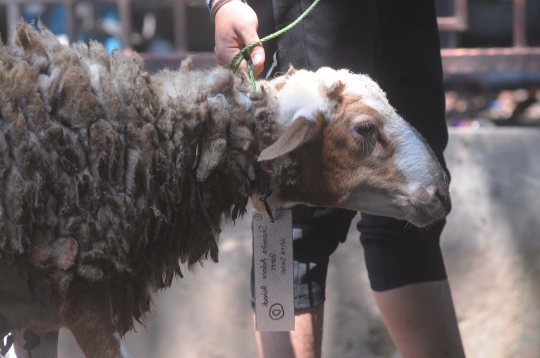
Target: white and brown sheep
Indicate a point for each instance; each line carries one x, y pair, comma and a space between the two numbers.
98, 199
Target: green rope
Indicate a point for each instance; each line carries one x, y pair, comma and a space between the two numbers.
237, 59
251, 76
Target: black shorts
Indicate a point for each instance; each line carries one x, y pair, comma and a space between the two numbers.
396, 42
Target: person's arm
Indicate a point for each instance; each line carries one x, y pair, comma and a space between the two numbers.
236, 26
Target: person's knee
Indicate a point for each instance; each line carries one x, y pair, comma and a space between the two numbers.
398, 254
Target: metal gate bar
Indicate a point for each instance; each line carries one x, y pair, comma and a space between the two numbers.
518, 58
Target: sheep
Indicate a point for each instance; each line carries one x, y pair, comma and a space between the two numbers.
107, 174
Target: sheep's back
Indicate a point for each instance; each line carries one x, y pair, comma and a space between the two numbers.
95, 172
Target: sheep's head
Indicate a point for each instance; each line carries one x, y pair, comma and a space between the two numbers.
345, 146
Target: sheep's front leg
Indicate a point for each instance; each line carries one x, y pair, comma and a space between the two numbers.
88, 314
46, 346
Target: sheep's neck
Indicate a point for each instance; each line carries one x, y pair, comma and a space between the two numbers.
300, 177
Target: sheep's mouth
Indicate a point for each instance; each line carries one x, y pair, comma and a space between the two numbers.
422, 215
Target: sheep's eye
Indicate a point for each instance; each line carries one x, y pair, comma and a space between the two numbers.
364, 129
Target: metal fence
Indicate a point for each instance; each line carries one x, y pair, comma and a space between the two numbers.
518, 58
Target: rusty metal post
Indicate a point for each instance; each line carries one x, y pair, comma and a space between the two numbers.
180, 25
520, 23
13, 15
458, 22
462, 13
125, 21
69, 7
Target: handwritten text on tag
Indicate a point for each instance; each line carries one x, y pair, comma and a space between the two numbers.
273, 265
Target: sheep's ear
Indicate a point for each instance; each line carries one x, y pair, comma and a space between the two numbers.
335, 91
300, 132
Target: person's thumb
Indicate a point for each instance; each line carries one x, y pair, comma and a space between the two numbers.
257, 53
257, 57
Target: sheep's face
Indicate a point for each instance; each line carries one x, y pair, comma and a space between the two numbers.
353, 150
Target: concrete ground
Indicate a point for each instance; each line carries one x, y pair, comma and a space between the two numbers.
491, 246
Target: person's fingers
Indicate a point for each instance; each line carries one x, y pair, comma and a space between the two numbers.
225, 55
257, 57
224, 58
243, 65
257, 53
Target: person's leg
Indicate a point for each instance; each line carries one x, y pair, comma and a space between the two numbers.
409, 283
305, 341
347, 34
314, 238
421, 320
405, 263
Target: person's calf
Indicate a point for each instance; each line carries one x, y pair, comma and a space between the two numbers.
421, 320
305, 341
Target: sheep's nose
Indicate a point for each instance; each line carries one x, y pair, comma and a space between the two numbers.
442, 194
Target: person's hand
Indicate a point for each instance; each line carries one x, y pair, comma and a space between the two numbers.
236, 26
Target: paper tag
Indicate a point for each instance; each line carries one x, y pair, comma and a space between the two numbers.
273, 266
